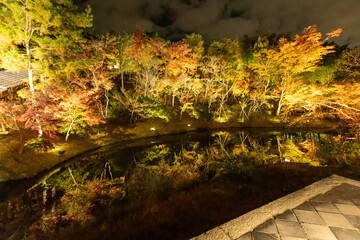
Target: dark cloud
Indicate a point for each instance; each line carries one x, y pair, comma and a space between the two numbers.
228, 18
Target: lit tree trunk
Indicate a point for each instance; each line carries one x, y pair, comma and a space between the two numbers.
70, 126
31, 84
30, 71
173, 98
29, 32
146, 85
280, 103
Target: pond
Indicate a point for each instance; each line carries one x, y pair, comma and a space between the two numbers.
171, 187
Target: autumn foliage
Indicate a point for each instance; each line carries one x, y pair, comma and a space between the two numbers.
143, 76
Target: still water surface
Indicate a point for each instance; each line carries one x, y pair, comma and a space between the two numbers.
170, 187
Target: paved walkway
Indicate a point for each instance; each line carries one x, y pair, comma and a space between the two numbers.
328, 210
330, 216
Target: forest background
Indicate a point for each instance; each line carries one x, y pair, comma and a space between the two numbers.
78, 80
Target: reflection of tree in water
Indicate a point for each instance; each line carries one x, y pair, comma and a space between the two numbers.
100, 183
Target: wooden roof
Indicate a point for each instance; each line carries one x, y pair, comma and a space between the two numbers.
12, 79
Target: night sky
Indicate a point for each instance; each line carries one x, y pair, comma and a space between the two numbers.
215, 19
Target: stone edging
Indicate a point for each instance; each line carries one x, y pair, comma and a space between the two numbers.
249, 221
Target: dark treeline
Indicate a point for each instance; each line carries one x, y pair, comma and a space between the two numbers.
77, 81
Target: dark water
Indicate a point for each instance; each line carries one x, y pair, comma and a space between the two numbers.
162, 188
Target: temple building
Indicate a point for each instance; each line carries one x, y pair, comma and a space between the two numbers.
11, 82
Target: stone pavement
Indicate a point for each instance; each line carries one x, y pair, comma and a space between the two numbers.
326, 210
330, 216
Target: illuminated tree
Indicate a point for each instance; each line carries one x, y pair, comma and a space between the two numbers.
96, 71
119, 56
176, 66
85, 100
297, 56
146, 63
327, 101
29, 114
37, 36
39, 33
218, 80
253, 88
195, 43
251, 91
349, 64
228, 50
220, 70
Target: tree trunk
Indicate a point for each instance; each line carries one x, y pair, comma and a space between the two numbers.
122, 80
131, 117
280, 103
173, 99
21, 144
30, 71
69, 129
31, 84
279, 148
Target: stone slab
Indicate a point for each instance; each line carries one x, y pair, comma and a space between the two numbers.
237, 227
318, 232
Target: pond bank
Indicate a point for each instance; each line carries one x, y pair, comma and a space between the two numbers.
32, 162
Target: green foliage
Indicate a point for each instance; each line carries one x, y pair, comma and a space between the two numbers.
48, 30
79, 128
159, 111
195, 43
193, 112
35, 143
139, 106
323, 75
228, 50
40, 143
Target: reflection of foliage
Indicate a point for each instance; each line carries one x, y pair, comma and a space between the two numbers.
65, 179
162, 177
81, 203
261, 154
310, 148
238, 167
340, 149
293, 153
222, 139
155, 154
163, 169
